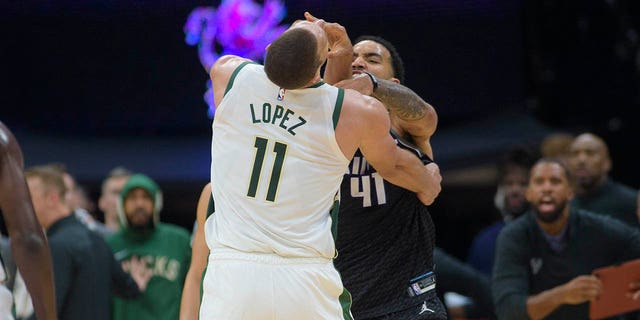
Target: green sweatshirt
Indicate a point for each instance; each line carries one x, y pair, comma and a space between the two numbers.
167, 250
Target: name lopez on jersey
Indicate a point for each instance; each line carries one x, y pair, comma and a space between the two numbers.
279, 116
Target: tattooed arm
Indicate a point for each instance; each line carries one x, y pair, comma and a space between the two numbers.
411, 117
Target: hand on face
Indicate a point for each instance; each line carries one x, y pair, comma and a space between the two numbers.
339, 42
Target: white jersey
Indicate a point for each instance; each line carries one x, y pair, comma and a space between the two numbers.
276, 167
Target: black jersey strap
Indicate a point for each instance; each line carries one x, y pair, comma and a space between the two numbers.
404, 144
211, 207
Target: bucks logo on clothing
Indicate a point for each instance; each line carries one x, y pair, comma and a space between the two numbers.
167, 252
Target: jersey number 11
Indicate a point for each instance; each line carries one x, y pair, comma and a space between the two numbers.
280, 149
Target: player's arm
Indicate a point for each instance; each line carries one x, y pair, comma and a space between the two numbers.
220, 74
28, 242
395, 165
420, 130
190, 303
406, 108
415, 116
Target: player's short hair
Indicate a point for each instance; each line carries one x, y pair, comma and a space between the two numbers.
292, 59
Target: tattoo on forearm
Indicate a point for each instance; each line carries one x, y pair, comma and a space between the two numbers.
402, 101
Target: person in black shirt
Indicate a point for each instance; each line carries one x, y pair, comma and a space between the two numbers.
595, 191
85, 271
544, 259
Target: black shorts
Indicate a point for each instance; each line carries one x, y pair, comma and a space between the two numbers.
429, 309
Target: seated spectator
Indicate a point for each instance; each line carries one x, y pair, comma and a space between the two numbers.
545, 258
513, 176
595, 191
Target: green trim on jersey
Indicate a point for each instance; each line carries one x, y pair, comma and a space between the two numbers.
334, 218
315, 85
211, 208
346, 302
338, 107
234, 74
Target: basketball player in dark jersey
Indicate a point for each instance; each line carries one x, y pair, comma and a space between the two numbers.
386, 236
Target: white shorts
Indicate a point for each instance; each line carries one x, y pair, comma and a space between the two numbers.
240, 285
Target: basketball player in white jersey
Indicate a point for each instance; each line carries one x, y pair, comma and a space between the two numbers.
28, 242
282, 140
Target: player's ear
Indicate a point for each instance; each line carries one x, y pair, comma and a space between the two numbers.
396, 80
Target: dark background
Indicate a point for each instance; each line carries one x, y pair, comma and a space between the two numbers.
103, 83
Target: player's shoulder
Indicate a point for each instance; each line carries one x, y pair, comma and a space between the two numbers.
361, 105
227, 64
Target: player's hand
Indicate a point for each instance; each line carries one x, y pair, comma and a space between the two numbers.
581, 289
435, 179
339, 42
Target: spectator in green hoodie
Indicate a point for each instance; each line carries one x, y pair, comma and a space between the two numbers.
164, 247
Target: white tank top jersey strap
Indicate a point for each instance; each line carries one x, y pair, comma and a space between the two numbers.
276, 167
6, 299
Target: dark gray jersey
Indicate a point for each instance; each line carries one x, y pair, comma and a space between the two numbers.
385, 238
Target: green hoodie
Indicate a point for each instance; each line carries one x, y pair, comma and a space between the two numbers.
167, 250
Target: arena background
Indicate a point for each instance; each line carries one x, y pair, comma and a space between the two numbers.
96, 84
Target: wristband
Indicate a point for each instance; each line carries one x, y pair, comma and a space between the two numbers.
374, 80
